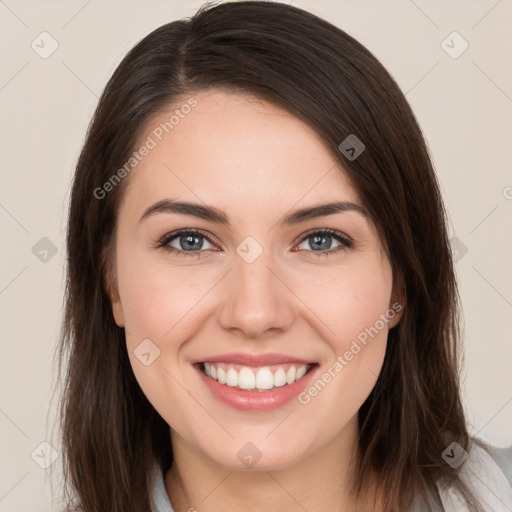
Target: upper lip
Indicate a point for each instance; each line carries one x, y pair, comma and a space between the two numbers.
246, 359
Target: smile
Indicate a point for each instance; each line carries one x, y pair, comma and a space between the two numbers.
253, 378
255, 383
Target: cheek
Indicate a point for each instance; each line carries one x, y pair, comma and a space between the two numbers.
157, 298
353, 312
158, 305
353, 307
350, 302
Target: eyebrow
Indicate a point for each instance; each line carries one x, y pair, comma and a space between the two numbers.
217, 216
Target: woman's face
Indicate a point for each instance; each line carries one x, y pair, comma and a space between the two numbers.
262, 295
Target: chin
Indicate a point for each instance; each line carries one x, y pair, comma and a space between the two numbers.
257, 454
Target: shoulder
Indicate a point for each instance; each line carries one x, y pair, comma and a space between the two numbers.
160, 500
503, 457
487, 474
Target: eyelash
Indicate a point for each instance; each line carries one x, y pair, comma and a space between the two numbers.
346, 242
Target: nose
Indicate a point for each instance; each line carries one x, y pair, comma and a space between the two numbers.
257, 303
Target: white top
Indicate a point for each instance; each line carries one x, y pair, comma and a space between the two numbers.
485, 477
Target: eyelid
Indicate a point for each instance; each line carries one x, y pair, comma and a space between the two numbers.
345, 240
329, 231
174, 234
212, 239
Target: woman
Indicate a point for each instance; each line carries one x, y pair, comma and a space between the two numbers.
261, 307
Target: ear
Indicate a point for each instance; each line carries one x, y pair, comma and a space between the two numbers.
398, 301
110, 279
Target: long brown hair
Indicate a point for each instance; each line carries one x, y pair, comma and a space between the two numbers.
111, 433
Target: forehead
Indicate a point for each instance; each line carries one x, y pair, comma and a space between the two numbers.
236, 150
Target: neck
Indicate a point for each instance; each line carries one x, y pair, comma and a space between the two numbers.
315, 483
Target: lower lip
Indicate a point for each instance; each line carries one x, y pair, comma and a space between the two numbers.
257, 400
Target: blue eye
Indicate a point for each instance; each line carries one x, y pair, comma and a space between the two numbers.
191, 242
318, 239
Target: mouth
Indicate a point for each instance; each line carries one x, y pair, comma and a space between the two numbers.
253, 386
249, 378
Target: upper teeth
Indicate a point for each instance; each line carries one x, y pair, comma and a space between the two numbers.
262, 379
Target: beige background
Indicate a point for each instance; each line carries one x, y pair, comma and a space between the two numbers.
464, 106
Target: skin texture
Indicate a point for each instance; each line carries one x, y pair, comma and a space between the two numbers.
257, 163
